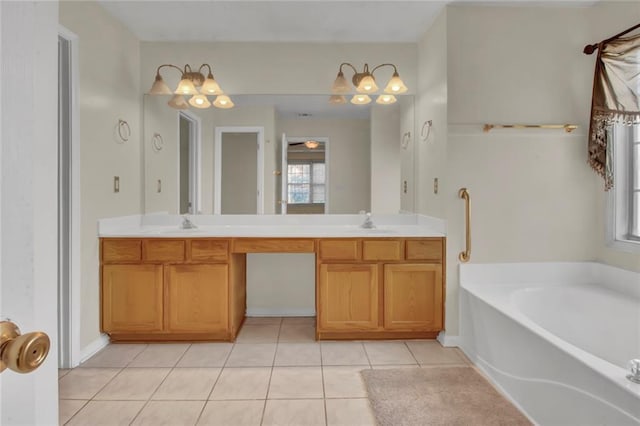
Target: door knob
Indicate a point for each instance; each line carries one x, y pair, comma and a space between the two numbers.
22, 353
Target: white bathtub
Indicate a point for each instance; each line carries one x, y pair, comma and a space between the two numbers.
556, 337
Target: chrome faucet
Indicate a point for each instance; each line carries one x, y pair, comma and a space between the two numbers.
368, 223
634, 368
186, 223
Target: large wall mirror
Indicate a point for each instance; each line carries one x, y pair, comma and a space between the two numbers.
279, 154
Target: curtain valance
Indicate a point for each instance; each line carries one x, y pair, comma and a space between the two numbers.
616, 98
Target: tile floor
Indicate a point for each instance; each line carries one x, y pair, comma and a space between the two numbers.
275, 374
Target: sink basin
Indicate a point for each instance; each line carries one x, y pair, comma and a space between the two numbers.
376, 231
169, 231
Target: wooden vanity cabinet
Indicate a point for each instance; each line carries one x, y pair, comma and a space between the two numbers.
171, 289
380, 288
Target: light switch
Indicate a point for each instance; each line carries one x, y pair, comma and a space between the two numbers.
116, 184
404, 187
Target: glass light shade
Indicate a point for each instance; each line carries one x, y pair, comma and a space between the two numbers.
186, 87
340, 85
395, 85
211, 86
311, 144
386, 99
178, 102
337, 99
223, 101
360, 99
367, 85
199, 101
159, 87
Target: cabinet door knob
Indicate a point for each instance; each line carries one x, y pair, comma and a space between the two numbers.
22, 353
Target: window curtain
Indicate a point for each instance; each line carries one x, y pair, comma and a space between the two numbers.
616, 99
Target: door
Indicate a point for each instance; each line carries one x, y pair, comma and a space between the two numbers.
198, 298
284, 176
413, 297
28, 199
132, 298
348, 297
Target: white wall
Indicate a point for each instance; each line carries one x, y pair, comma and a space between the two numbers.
239, 174
109, 90
431, 104
385, 159
28, 200
349, 153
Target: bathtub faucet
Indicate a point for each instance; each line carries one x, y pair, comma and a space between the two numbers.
634, 367
186, 223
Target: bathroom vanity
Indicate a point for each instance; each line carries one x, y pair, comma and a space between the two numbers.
167, 284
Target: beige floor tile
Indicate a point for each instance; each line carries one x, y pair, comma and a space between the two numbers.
133, 384
252, 355
294, 412
392, 366
344, 382
68, 407
434, 353
170, 413
299, 321
160, 355
296, 383
349, 412
297, 354
206, 355
63, 372
187, 384
343, 353
262, 321
297, 334
258, 334
236, 413
388, 353
242, 383
108, 413
84, 383
115, 355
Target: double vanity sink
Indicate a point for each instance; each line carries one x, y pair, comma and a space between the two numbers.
160, 282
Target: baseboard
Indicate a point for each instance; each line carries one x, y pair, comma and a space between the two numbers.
92, 348
448, 341
271, 312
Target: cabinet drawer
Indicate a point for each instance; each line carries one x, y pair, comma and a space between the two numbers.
270, 245
121, 250
210, 250
382, 249
164, 250
339, 250
424, 250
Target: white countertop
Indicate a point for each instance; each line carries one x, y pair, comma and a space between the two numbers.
271, 226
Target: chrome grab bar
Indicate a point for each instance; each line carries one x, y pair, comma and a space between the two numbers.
465, 255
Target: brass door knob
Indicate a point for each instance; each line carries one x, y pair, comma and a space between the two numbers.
22, 353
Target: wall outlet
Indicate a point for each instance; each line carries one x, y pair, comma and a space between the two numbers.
116, 184
435, 185
159, 188
404, 187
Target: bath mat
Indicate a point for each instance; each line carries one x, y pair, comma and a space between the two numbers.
437, 396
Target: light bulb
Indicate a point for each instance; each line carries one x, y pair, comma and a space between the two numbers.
386, 99
367, 85
159, 87
360, 99
199, 101
395, 85
223, 101
186, 87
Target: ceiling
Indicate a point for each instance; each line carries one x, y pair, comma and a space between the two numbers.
291, 21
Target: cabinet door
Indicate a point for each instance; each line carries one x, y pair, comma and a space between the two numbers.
131, 298
348, 298
198, 298
413, 297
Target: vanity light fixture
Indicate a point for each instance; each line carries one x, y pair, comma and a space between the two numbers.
360, 99
193, 84
365, 83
